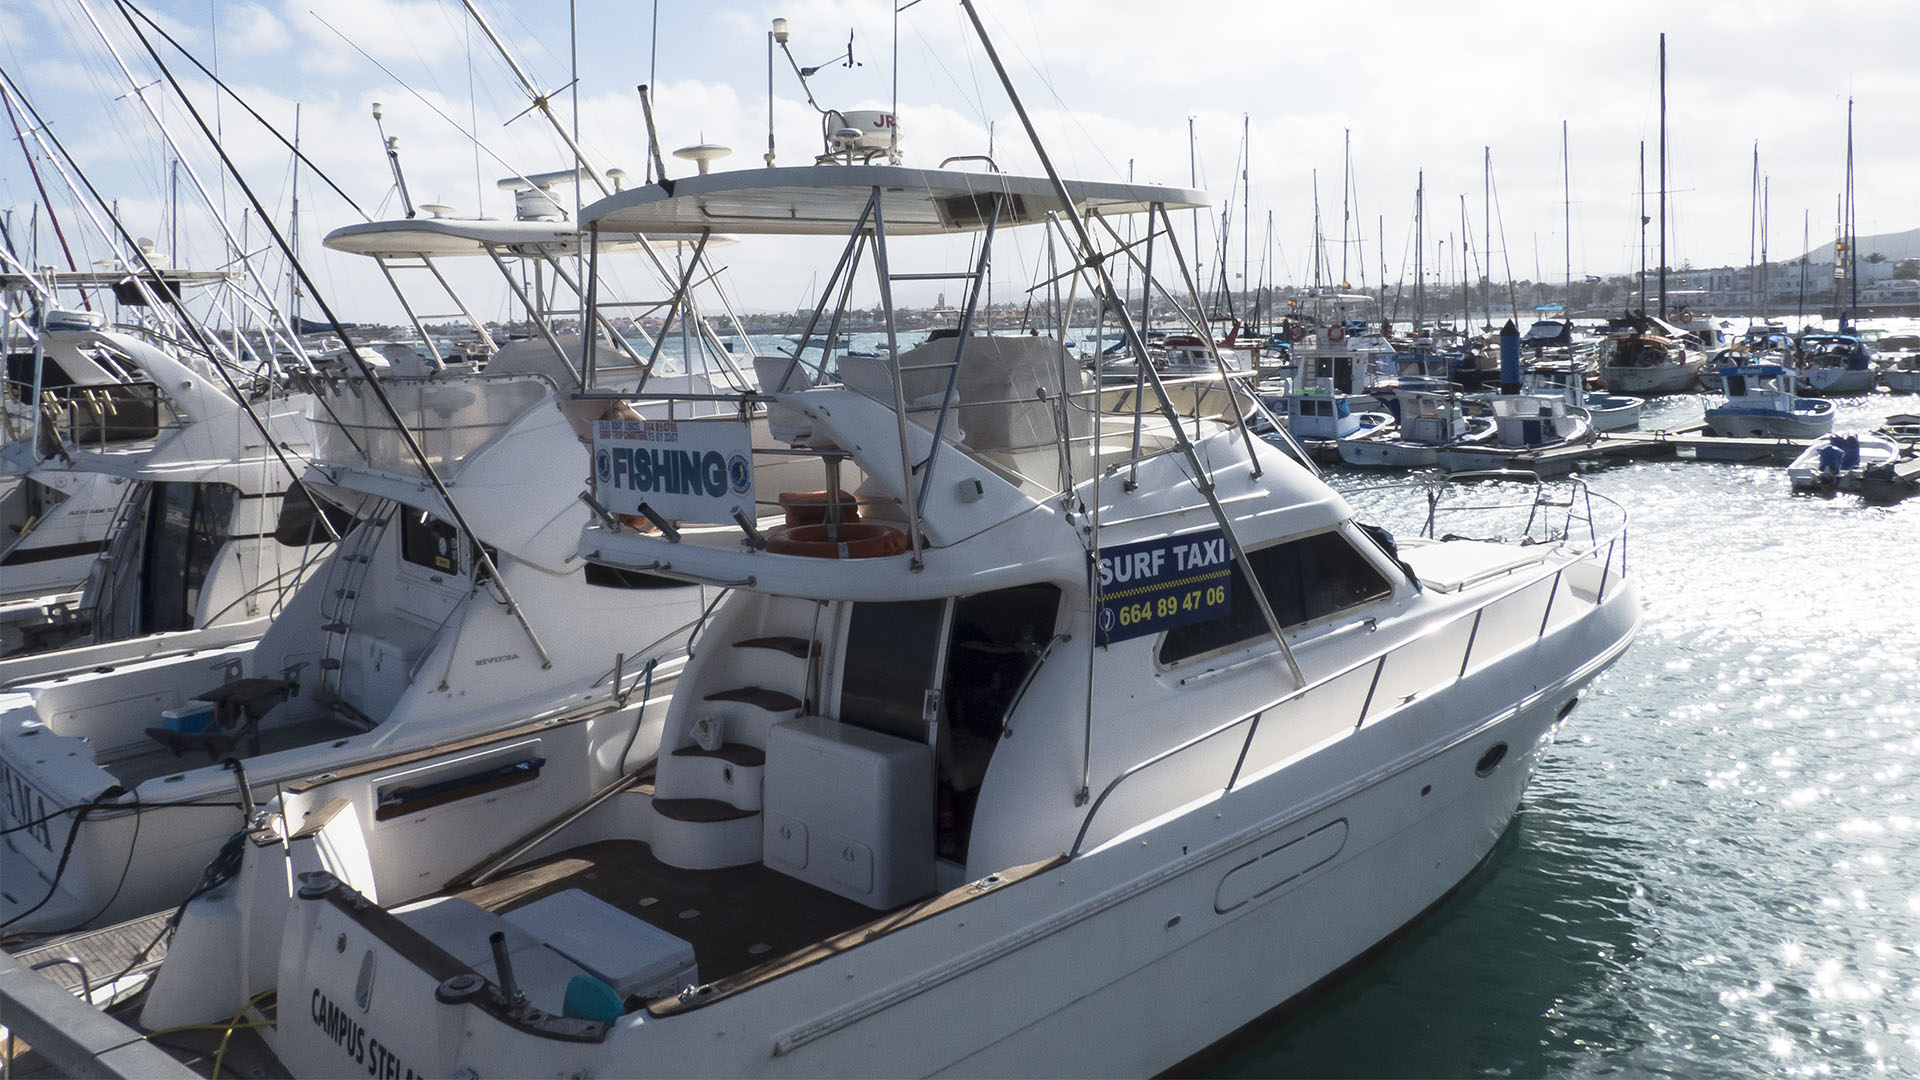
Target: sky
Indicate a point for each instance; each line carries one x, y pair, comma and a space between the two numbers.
1115, 86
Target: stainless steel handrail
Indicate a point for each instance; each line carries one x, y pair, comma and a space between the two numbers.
1378, 659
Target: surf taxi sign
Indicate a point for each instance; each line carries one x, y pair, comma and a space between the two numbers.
684, 470
1155, 585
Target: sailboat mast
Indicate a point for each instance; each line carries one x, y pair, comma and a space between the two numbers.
1853, 225
1466, 290
1643, 227
1193, 181
1346, 175
1486, 226
1663, 175
1566, 205
1753, 232
1419, 242
1246, 211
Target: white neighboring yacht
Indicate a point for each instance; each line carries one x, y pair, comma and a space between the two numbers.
441, 666
959, 777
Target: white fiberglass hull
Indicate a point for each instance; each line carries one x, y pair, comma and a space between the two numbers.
1769, 423
1124, 961
1834, 380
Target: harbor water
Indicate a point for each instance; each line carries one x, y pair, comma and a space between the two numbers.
1713, 872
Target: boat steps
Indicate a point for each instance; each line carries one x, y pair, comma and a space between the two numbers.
796, 647
759, 697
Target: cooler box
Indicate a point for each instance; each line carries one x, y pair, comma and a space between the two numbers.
849, 810
188, 719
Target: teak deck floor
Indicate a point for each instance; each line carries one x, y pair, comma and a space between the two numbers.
735, 918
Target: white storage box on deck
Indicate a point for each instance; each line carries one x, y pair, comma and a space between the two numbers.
850, 811
632, 956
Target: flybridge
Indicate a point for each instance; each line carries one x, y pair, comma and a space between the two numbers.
830, 200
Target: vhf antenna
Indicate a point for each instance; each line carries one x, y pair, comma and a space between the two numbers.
392, 143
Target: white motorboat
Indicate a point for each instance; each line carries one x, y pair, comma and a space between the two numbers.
442, 654
1832, 365
1759, 405
1836, 462
1903, 375
1428, 422
1319, 414
1524, 426
924, 760
1567, 381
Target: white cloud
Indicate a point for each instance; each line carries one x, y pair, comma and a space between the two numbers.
253, 29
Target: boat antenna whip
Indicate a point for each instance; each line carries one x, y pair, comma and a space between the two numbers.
1092, 261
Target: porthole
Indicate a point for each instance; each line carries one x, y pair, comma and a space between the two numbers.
1490, 760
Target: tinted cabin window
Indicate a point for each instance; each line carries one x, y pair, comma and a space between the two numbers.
20, 372
427, 541
186, 525
300, 514
1305, 580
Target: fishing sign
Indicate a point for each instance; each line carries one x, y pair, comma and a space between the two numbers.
1155, 585
685, 470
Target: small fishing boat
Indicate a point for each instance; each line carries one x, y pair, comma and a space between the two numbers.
1903, 375
1836, 462
1760, 405
1524, 425
1567, 381
1429, 421
1831, 365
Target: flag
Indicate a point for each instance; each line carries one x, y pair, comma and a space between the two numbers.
1593, 279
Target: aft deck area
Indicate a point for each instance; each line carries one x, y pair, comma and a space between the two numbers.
735, 918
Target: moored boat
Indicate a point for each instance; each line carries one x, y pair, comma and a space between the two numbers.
1759, 405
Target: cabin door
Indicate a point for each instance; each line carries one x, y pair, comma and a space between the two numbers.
888, 683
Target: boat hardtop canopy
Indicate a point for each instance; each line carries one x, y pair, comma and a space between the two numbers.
439, 236
830, 199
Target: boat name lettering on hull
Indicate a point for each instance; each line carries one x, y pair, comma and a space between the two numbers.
366, 1050
24, 806
1155, 585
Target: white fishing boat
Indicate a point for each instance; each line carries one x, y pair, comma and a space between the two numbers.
1833, 365
1524, 426
1760, 405
1567, 381
1428, 422
434, 628
1836, 462
1319, 413
1903, 375
924, 760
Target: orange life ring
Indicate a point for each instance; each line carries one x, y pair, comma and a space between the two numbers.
1336, 333
848, 540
